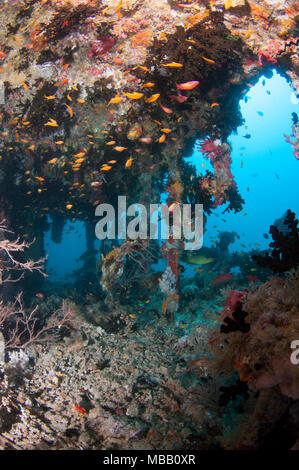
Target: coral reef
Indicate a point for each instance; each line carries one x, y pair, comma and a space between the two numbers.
97, 391
260, 353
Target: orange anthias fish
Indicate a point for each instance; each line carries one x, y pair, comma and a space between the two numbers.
152, 98
172, 64
166, 110
134, 96
147, 85
223, 278
105, 167
51, 123
145, 140
115, 100
129, 162
179, 98
25, 85
80, 154
187, 86
71, 113
208, 60
51, 162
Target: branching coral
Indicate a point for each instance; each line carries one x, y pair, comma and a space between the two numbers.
8, 259
18, 327
22, 329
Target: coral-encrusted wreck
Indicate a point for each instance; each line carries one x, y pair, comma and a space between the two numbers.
101, 98
69, 71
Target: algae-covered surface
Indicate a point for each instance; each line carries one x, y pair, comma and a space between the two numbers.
131, 342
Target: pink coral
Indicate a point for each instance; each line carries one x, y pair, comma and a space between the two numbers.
219, 155
101, 46
232, 300
294, 144
269, 53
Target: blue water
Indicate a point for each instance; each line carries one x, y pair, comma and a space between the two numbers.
268, 180
263, 166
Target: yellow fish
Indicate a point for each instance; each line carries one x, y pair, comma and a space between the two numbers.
145, 69
51, 123
152, 98
173, 64
134, 96
115, 100
196, 259
80, 154
71, 113
208, 60
129, 162
51, 162
25, 85
147, 85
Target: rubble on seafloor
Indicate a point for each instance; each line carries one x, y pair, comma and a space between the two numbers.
217, 378
104, 391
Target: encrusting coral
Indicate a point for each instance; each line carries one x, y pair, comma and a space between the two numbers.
260, 353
